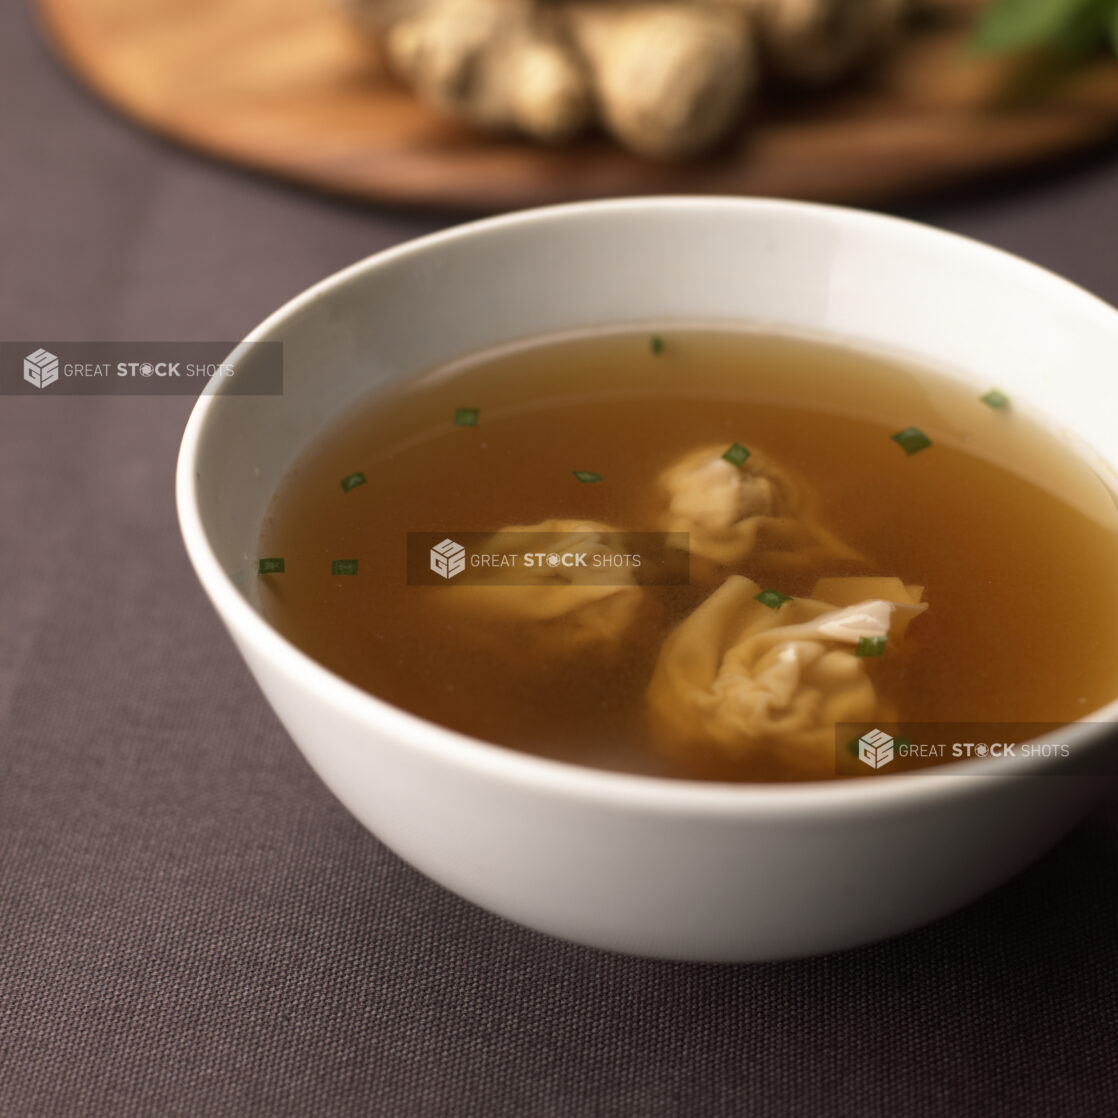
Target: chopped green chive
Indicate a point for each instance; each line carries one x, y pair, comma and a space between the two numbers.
911, 440
466, 417
870, 646
771, 598
352, 482
736, 455
343, 566
269, 566
587, 477
995, 399
656, 344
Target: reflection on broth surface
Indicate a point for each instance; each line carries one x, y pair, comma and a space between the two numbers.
868, 540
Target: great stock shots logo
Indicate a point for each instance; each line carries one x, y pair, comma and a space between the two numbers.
40, 368
140, 368
448, 558
561, 558
875, 749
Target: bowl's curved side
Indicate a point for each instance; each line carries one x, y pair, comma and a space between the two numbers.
648, 878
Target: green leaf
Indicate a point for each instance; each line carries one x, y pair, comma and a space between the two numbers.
466, 417
1007, 25
911, 440
1088, 30
772, 598
352, 482
343, 566
737, 455
272, 566
870, 646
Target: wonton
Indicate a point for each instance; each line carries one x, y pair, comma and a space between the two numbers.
729, 511
740, 681
572, 608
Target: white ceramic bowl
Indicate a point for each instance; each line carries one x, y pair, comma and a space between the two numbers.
636, 864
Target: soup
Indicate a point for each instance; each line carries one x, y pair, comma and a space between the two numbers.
822, 537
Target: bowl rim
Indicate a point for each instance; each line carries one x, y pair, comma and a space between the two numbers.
885, 791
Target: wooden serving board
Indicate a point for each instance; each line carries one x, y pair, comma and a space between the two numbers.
287, 87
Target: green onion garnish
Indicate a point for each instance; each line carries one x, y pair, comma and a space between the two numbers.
911, 440
343, 566
995, 399
587, 477
656, 344
352, 482
269, 566
466, 417
772, 598
870, 646
736, 455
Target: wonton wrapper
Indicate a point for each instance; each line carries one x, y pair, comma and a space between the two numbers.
743, 682
559, 607
729, 511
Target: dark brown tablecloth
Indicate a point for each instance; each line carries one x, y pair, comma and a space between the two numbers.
190, 925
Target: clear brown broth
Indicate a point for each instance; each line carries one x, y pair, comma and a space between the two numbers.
1014, 538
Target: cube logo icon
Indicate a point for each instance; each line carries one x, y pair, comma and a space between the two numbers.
875, 749
448, 558
40, 368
